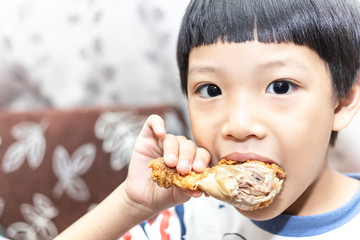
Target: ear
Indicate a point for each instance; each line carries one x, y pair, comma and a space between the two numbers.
347, 107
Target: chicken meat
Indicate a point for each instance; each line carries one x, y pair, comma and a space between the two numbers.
248, 185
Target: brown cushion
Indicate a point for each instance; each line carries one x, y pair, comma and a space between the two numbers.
57, 164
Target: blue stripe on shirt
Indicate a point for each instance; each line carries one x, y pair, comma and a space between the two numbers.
304, 226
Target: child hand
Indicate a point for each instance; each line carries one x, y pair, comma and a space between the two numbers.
178, 151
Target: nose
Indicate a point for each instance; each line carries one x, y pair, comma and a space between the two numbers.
244, 120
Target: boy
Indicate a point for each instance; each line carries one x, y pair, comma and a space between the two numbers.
267, 80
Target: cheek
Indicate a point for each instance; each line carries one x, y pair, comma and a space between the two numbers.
305, 142
199, 128
203, 128
310, 133
307, 125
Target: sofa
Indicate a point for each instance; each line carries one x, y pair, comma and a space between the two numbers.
77, 81
58, 164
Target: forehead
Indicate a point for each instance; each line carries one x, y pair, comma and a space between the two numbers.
259, 56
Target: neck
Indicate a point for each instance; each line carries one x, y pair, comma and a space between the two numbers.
330, 191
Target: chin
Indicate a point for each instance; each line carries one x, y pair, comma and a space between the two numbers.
266, 213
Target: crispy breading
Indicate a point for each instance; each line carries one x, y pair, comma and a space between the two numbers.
250, 185
167, 177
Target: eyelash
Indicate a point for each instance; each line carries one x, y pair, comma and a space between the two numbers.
290, 86
204, 86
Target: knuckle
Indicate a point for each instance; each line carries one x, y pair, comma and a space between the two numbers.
187, 153
171, 140
203, 152
182, 138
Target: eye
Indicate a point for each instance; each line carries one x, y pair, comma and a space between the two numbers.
281, 87
208, 91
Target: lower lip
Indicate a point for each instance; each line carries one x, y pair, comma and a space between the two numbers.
243, 157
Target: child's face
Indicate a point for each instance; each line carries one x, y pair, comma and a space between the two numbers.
271, 102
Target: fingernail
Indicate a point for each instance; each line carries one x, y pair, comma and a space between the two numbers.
171, 158
198, 166
159, 129
183, 166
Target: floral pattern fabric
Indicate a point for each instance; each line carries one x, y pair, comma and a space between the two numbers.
56, 165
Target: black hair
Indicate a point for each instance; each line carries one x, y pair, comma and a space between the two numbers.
329, 27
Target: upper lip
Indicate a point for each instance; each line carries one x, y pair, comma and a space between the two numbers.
243, 157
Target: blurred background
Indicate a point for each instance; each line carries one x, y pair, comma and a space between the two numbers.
78, 53
86, 53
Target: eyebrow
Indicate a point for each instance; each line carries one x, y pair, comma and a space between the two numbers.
261, 67
201, 69
281, 63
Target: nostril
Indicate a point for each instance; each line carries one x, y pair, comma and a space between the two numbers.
242, 131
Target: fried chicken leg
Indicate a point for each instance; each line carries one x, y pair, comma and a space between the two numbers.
247, 186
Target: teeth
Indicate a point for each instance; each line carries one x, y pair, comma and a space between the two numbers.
246, 186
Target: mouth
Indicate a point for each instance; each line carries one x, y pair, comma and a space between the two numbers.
243, 157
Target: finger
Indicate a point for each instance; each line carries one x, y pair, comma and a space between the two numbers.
180, 196
193, 193
187, 151
171, 150
153, 125
202, 160
147, 143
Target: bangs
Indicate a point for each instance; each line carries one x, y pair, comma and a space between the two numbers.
270, 21
317, 24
